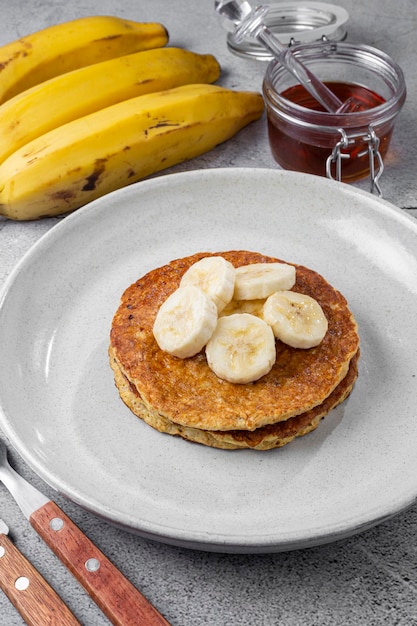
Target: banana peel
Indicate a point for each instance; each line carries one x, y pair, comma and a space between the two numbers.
70, 45
78, 162
80, 92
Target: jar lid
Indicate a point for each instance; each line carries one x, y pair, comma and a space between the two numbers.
293, 23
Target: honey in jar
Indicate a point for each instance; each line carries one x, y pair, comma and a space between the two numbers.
346, 146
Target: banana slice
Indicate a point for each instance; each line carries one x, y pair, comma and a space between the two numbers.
215, 276
241, 349
254, 307
185, 322
296, 319
260, 280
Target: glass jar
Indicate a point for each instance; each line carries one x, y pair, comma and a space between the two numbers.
345, 146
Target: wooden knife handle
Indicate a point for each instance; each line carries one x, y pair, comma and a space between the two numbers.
33, 597
119, 600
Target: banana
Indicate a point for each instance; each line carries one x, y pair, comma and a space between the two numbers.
69, 96
64, 47
77, 162
260, 280
241, 348
215, 276
296, 319
185, 321
254, 307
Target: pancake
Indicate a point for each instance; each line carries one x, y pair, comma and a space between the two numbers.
187, 393
263, 438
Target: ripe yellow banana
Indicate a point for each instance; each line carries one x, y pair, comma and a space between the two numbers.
74, 94
98, 153
64, 47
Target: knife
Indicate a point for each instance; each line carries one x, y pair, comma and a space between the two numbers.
27, 590
119, 600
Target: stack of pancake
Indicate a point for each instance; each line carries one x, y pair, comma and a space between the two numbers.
184, 397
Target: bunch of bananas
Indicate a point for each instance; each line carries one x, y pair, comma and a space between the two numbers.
89, 106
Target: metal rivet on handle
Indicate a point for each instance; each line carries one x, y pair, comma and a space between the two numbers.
2, 551
56, 523
92, 565
22, 583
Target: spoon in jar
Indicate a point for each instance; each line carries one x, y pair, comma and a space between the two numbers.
242, 21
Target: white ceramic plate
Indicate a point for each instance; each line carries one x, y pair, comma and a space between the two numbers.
62, 412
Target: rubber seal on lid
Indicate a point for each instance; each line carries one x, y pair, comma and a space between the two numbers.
293, 23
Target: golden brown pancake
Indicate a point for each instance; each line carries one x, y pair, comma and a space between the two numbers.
263, 438
187, 393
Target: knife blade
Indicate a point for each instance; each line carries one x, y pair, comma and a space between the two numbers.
114, 594
36, 601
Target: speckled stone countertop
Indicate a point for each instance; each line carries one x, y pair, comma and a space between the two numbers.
369, 579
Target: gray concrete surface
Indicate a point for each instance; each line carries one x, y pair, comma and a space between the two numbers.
369, 579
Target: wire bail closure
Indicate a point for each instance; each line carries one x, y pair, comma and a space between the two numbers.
376, 164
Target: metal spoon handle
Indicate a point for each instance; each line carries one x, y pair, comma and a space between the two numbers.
27, 497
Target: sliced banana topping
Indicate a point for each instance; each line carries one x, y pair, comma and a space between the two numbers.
296, 319
260, 280
241, 349
215, 276
236, 314
185, 322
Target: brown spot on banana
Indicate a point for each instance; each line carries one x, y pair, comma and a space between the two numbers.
163, 124
109, 37
92, 180
63, 194
19, 53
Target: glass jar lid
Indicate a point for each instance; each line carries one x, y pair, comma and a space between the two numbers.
294, 23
